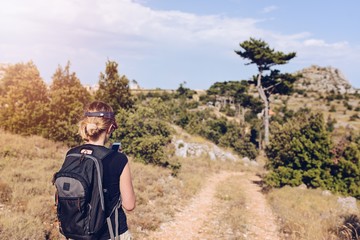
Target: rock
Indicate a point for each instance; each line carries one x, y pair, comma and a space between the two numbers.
245, 160
181, 148
254, 163
323, 79
348, 203
187, 149
326, 193
212, 155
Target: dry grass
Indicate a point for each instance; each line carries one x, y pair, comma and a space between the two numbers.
317, 104
306, 213
26, 193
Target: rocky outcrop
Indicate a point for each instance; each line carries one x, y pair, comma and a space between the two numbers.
323, 79
192, 149
348, 203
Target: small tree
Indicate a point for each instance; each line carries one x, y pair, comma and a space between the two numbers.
67, 100
23, 100
145, 135
113, 88
259, 53
237, 91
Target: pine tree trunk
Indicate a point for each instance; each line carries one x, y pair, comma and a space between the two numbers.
266, 109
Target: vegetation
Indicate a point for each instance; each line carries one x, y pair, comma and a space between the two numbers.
301, 151
23, 97
311, 214
113, 88
67, 101
233, 92
145, 135
259, 53
184, 92
303, 148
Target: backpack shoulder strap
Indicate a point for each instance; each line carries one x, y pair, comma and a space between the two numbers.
98, 153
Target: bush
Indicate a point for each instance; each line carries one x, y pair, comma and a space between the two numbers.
218, 130
145, 135
346, 166
330, 124
228, 111
299, 152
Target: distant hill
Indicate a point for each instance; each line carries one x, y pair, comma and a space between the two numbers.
323, 79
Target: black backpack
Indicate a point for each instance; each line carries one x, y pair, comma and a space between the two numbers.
80, 195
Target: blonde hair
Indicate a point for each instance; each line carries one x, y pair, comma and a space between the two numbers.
90, 128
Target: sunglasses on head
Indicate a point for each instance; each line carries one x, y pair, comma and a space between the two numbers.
109, 115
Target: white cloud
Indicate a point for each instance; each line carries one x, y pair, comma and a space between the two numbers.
269, 9
91, 30
322, 43
122, 17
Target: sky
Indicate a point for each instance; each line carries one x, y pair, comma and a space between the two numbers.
165, 43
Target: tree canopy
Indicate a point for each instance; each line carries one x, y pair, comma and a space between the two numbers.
67, 100
23, 99
260, 54
113, 88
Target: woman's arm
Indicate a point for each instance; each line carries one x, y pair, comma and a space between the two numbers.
126, 189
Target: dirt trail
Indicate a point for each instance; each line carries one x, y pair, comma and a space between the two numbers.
261, 224
191, 223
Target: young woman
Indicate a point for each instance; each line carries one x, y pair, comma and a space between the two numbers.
95, 128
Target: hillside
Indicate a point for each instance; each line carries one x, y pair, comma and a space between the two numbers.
323, 80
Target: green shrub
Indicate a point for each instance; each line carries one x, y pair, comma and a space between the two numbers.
346, 166
145, 135
191, 104
299, 152
330, 124
228, 111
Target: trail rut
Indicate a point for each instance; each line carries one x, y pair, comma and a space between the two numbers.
191, 223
